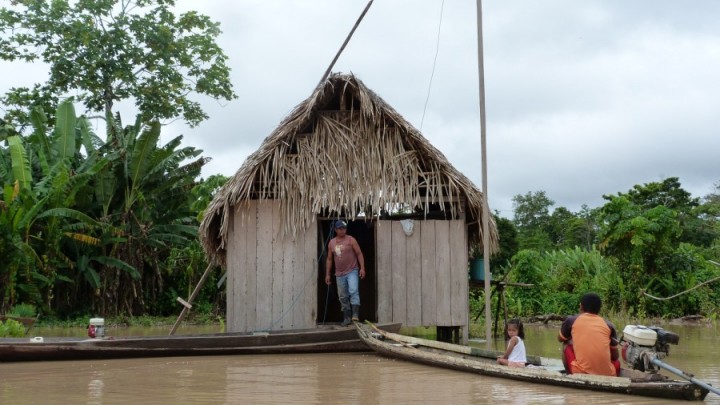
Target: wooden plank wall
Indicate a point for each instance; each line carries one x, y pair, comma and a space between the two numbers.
271, 277
383, 254
422, 278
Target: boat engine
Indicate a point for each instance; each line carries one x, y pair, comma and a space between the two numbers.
641, 344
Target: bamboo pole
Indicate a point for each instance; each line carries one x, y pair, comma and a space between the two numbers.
352, 31
483, 159
188, 304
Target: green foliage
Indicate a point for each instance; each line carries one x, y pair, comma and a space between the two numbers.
654, 240
23, 311
508, 243
109, 50
532, 210
531, 217
93, 232
568, 229
644, 230
705, 220
11, 328
559, 279
638, 237
92, 225
144, 202
527, 266
668, 193
204, 192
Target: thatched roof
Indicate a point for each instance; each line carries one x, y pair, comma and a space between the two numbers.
343, 150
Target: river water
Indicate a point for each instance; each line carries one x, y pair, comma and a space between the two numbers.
358, 378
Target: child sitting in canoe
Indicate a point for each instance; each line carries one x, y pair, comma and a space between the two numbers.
514, 355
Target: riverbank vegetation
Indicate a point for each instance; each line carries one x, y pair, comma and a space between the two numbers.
652, 242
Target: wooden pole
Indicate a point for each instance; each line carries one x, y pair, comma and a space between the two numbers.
352, 31
188, 304
483, 159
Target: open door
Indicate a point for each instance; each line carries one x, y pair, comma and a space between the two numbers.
328, 310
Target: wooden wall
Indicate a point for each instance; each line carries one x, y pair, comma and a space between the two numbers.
271, 278
422, 279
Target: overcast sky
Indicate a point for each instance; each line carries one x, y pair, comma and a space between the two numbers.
584, 98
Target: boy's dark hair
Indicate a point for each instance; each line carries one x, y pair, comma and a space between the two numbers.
591, 303
518, 323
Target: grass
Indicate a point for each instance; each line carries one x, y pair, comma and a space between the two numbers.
128, 321
22, 311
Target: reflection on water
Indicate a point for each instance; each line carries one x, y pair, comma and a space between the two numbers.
317, 379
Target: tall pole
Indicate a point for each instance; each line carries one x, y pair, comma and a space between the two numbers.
342, 47
483, 160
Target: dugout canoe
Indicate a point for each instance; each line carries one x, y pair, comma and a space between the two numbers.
323, 339
541, 370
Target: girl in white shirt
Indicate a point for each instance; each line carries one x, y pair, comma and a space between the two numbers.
514, 355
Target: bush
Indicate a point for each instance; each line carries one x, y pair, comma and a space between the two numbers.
23, 311
559, 279
11, 328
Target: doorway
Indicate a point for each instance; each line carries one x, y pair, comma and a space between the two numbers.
328, 310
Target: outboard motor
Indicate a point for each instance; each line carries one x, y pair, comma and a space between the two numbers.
641, 344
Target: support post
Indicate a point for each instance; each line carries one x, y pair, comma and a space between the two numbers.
486, 210
188, 304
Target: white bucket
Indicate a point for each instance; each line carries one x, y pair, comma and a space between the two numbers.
96, 329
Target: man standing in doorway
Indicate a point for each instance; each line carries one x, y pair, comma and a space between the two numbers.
345, 253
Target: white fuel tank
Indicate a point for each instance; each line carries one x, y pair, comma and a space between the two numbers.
640, 335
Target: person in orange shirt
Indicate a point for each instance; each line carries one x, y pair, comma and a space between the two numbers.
590, 343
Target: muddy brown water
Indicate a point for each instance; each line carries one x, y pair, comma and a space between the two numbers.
359, 378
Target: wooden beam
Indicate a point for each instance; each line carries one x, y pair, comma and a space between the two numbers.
184, 303
194, 294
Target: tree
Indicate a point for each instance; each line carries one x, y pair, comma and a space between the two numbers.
638, 237
105, 51
93, 231
532, 219
36, 214
508, 242
670, 194
145, 197
568, 230
709, 213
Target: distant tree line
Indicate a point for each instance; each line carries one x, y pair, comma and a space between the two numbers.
655, 239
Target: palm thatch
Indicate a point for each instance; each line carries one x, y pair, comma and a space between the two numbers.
343, 151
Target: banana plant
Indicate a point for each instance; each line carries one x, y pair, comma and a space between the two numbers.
144, 195
40, 217
91, 215
17, 254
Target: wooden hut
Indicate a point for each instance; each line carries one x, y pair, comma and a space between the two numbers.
345, 153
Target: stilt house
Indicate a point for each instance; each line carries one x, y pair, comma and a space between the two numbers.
345, 153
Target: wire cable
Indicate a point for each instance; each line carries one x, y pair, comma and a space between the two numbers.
432, 74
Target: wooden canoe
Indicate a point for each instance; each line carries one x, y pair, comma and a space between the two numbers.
541, 370
323, 339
